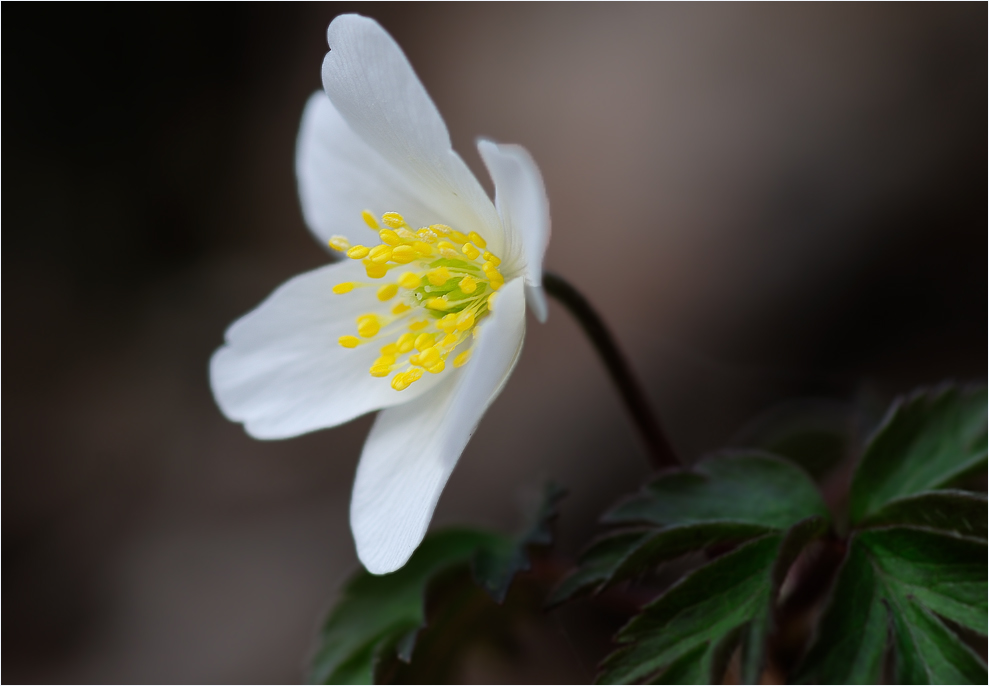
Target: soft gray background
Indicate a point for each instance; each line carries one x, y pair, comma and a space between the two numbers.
765, 201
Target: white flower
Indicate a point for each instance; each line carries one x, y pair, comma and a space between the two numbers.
441, 276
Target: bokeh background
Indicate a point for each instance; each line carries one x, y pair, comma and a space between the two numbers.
766, 201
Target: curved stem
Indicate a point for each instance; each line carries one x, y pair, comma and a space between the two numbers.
660, 451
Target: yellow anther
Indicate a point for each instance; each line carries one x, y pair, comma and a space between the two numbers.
368, 325
449, 340
399, 308
403, 254
422, 248
438, 304
409, 280
345, 287
405, 342
492, 258
400, 381
418, 326
440, 229
384, 360
458, 237
427, 234
414, 359
438, 276
447, 323
496, 282
389, 237
358, 252
424, 340
393, 219
387, 292
437, 368
462, 359
339, 243
445, 245
468, 284
405, 234
369, 219
413, 375
448, 250
389, 350
476, 239
491, 301
465, 320
488, 268
470, 251
380, 254
380, 370
374, 271
348, 341
429, 357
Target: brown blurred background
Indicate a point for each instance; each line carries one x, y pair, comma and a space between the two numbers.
765, 201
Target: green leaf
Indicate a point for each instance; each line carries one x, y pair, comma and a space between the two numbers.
495, 566
902, 580
747, 487
727, 600
961, 512
376, 614
926, 441
628, 553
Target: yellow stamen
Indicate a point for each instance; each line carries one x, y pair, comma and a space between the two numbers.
358, 252
380, 254
345, 287
438, 304
348, 341
462, 359
437, 368
393, 219
389, 350
476, 239
429, 357
369, 219
470, 251
368, 325
399, 308
440, 229
438, 276
449, 340
447, 323
403, 254
406, 342
339, 243
389, 237
468, 284
492, 258
465, 320
374, 271
422, 248
409, 280
418, 326
458, 237
387, 292
424, 340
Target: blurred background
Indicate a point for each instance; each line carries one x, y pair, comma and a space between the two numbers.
767, 201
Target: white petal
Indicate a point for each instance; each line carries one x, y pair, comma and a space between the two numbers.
282, 372
340, 176
374, 88
524, 209
413, 448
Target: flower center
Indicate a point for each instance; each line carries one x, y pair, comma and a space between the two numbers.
448, 284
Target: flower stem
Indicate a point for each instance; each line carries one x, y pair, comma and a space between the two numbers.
661, 453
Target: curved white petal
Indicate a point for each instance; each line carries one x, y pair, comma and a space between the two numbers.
413, 448
340, 176
520, 197
282, 372
373, 86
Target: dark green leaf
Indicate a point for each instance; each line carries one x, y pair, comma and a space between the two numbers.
903, 579
961, 512
628, 553
729, 598
378, 613
750, 487
926, 441
494, 567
